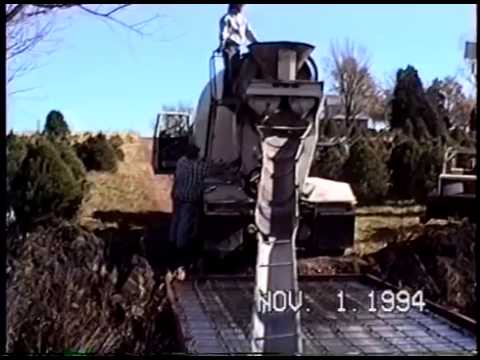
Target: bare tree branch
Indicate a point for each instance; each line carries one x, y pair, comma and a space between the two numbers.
21, 91
115, 20
348, 67
116, 9
448, 96
13, 10
28, 25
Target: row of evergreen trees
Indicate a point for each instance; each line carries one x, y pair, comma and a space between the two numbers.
47, 172
379, 169
400, 163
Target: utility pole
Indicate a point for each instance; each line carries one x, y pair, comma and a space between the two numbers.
471, 57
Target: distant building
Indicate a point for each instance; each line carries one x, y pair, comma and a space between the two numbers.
471, 56
334, 110
333, 106
362, 121
378, 124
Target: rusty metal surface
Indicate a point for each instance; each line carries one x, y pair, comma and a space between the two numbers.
215, 316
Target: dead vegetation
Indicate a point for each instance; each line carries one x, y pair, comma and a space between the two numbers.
438, 259
65, 293
374, 230
391, 243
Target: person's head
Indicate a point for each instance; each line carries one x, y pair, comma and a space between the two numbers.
192, 152
235, 8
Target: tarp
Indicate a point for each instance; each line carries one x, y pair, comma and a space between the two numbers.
324, 190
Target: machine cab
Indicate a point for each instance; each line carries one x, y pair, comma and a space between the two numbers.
171, 136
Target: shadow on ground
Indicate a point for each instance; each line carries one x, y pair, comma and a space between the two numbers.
144, 234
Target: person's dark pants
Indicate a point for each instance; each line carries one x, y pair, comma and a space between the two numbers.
231, 61
184, 231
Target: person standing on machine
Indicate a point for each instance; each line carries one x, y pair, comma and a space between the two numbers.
235, 31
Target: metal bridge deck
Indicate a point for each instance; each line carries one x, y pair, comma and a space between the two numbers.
214, 317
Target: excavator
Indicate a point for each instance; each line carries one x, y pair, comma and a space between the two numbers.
263, 139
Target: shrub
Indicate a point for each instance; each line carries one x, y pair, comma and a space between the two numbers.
409, 128
462, 138
116, 141
357, 131
328, 163
428, 168
367, 173
44, 188
97, 154
16, 152
69, 156
403, 165
61, 298
469, 141
330, 129
381, 148
55, 125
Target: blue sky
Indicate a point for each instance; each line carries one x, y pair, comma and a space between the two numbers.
103, 77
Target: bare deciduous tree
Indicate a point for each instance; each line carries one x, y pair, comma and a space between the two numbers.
28, 25
454, 102
348, 68
468, 72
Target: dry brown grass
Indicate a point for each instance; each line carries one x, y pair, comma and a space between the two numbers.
413, 210
133, 188
127, 138
372, 233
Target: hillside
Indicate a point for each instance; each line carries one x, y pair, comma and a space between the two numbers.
134, 188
